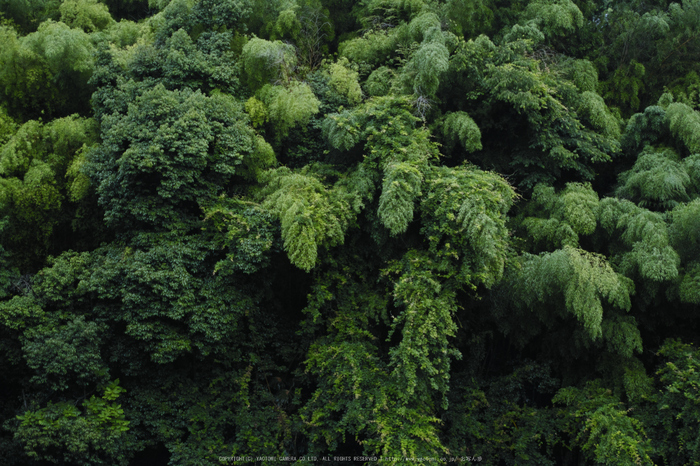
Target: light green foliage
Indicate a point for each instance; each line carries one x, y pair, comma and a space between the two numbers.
684, 123
310, 214
88, 15
420, 25
21, 312
348, 370
657, 181
574, 282
582, 73
79, 183
596, 113
40, 71
684, 230
527, 36
262, 157
428, 64
603, 427
343, 130
389, 398
386, 126
373, 48
288, 107
401, 187
8, 127
394, 146
38, 173
23, 75
17, 153
556, 220
344, 81
288, 22
265, 62
61, 432
63, 48
231, 222
464, 212
646, 236
125, 33
459, 126
686, 90
421, 361
158, 4
555, 17
256, 111
302, 253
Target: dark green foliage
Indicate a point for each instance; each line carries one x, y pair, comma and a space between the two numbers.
676, 418
62, 432
553, 141
171, 151
499, 420
650, 127
379, 82
28, 15
603, 428
397, 228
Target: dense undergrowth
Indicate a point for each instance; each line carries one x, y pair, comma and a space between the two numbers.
391, 228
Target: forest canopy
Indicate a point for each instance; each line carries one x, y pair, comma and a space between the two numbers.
334, 228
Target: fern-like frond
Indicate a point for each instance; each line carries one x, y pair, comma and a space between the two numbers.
646, 234
310, 215
583, 281
685, 125
402, 182
558, 219
656, 181
463, 212
459, 126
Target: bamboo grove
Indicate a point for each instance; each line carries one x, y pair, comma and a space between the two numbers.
384, 228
